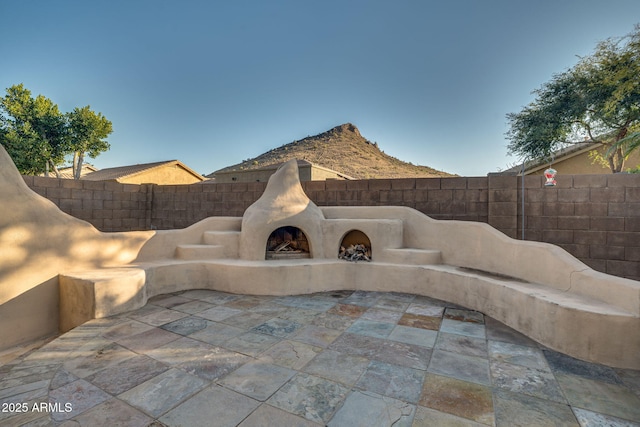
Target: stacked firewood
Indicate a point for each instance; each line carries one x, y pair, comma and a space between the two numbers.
357, 252
285, 246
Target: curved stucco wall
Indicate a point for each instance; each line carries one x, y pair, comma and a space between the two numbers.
587, 330
560, 301
38, 241
479, 246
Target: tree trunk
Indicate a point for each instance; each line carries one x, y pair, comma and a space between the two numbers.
78, 165
74, 166
618, 155
612, 165
620, 160
616, 159
55, 169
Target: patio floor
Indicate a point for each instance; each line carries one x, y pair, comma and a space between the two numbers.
206, 358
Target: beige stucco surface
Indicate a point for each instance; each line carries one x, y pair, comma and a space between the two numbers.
584, 163
170, 174
308, 172
283, 203
38, 242
536, 288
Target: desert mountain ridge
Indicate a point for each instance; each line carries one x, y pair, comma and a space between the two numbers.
344, 150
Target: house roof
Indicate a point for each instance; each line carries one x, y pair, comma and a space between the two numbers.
536, 165
67, 172
113, 174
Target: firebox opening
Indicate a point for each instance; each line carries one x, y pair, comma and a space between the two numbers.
355, 246
287, 243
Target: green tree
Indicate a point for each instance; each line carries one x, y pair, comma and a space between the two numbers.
38, 137
87, 135
34, 132
597, 100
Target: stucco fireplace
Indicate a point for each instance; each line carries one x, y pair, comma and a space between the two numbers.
287, 243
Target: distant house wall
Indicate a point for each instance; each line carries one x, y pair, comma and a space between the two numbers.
594, 217
307, 172
321, 174
582, 163
167, 175
258, 175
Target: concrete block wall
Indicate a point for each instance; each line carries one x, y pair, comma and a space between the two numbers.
594, 217
503, 204
178, 206
109, 206
440, 198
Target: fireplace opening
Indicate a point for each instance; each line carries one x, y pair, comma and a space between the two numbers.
287, 243
355, 246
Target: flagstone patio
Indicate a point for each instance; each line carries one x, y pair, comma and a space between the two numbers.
207, 358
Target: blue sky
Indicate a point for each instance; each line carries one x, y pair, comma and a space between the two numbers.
212, 83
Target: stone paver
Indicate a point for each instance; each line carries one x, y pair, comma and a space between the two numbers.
311, 397
381, 315
78, 395
462, 344
268, 416
348, 310
160, 394
601, 397
341, 358
148, 340
521, 410
213, 406
394, 381
257, 380
186, 325
522, 379
113, 412
277, 327
371, 328
460, 398
339, 367
417, 336
470, 329
127, 374
367, 409
420, 321
460, 366
290, 354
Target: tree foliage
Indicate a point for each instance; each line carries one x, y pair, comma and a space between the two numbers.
597, 100
87, 134
39, 138
33, 130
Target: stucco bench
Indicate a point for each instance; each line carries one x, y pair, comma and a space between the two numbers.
94, 294
575, 324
